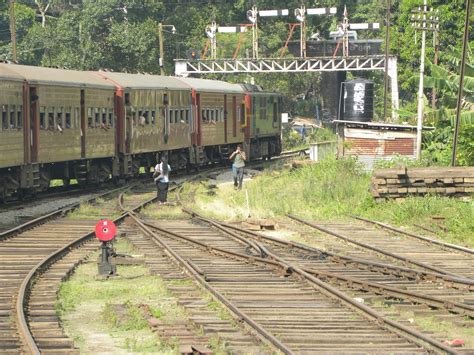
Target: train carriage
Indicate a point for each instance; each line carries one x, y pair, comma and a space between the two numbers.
12, 140
263, 122
154, 116
94, 126
58, 102
219, 115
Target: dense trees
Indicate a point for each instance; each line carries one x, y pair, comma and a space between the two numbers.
121, 35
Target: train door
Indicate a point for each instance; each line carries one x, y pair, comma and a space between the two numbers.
166, 117
234, 116
225, 118
34, 127
275, 113
25, 123
128, 123
83, 123
199, 119
119, 122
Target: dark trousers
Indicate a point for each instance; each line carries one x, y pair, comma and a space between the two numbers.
162, 191
238, 176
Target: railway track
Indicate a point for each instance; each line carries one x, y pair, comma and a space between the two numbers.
283, 304
34, 259
370, 284
434, 256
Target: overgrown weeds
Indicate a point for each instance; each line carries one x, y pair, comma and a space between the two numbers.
334, 189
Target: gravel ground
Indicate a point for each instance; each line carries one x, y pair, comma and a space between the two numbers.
227, 177
17, 215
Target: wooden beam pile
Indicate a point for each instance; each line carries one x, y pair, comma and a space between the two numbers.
400, 182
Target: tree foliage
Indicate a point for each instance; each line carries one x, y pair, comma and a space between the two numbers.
122, 35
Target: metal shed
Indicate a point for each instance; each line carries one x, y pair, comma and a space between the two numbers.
371, 141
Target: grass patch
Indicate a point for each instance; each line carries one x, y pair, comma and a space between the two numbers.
333, 189
163, 211
86, 306
96, 210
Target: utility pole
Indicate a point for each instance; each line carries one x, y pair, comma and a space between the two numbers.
162, 51
461, 79
387, 51
252, 15
435, 62
13, 28
423, 23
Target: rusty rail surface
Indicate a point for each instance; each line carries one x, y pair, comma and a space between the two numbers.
419, 237
382, 251
457, 307
289, 268
395, 270
38, 269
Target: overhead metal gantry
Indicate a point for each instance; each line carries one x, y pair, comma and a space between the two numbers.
184, 67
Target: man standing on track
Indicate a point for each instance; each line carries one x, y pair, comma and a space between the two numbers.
238, 166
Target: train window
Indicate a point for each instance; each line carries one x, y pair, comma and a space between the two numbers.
242, 115
90, 121
67, 118
176, 116
171, 115
43, 117
153, 115
275, 116
111, 117
96, 117
212, 115
19, 116
187, 116
104, 116
181, 116
59, 119
127, 98
165, 99
4, 117
218, 115
238, 115
51, 118
203, 115
76, 117
12, 117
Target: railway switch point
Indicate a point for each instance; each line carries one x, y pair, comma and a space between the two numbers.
105, 231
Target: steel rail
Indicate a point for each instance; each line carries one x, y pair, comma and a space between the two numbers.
454, 306
58, 213
376, 249
28, 281
202, 281
384, 268
409, 334
416, 236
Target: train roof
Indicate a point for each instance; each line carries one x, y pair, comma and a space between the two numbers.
144, 81
7, 74
257, 90
207, 85
52, 76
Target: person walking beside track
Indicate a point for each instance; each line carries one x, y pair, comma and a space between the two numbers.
161, 178
239, 157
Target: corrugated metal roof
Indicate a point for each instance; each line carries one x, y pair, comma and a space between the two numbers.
60, 77
7, 74
380, 125
144, 81
212, 85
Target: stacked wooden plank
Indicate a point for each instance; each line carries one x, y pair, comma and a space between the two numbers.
401, 182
